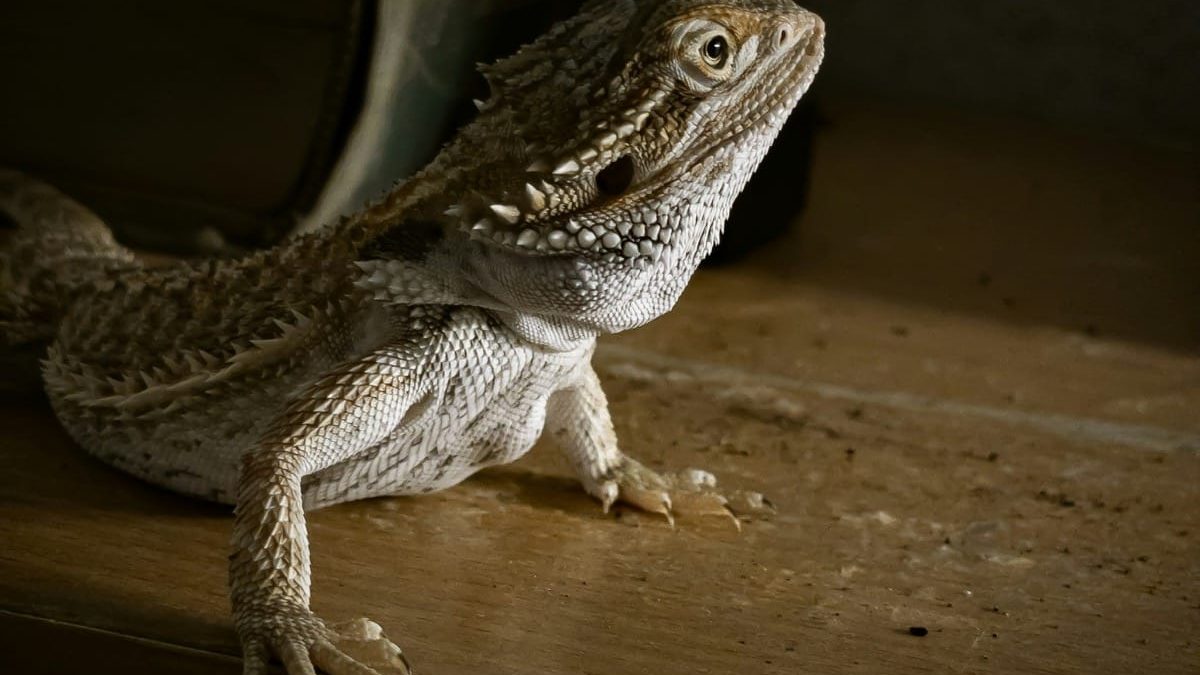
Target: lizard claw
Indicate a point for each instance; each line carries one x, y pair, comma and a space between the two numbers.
690, 492
608, 494
649, 498
752, 503
360, 643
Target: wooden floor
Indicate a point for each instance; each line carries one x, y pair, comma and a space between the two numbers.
969, 381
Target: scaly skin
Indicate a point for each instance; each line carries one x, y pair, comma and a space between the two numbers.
435, 333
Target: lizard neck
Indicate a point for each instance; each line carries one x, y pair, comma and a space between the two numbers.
405, 250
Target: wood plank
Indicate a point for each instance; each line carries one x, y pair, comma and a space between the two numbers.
915, 484
35, 645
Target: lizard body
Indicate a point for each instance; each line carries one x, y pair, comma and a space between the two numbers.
437, 332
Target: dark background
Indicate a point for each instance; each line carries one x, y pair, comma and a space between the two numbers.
1105, 67
193, 126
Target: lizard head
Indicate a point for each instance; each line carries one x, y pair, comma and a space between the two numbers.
602, 168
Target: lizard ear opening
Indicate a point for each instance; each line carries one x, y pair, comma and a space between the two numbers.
616, 178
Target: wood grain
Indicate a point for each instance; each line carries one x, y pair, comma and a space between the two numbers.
903, 444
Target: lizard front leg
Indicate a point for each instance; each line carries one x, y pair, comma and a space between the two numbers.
345, 412
578, 417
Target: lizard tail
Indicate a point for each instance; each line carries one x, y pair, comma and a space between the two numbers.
54, 248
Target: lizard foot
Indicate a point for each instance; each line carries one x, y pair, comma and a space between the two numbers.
363, 640
305, 644
688, 492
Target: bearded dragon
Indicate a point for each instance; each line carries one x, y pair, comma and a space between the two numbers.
440, 330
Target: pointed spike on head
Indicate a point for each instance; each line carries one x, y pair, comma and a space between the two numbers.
506, 212
567, 167
535, 198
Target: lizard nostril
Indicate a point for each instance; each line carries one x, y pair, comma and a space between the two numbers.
784, 36
616, 178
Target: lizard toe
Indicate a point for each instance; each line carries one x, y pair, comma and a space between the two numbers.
359, 647
304, 643
295, 657
255, 656
691, 492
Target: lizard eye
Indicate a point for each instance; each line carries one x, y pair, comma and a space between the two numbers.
716, 51
707, 54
